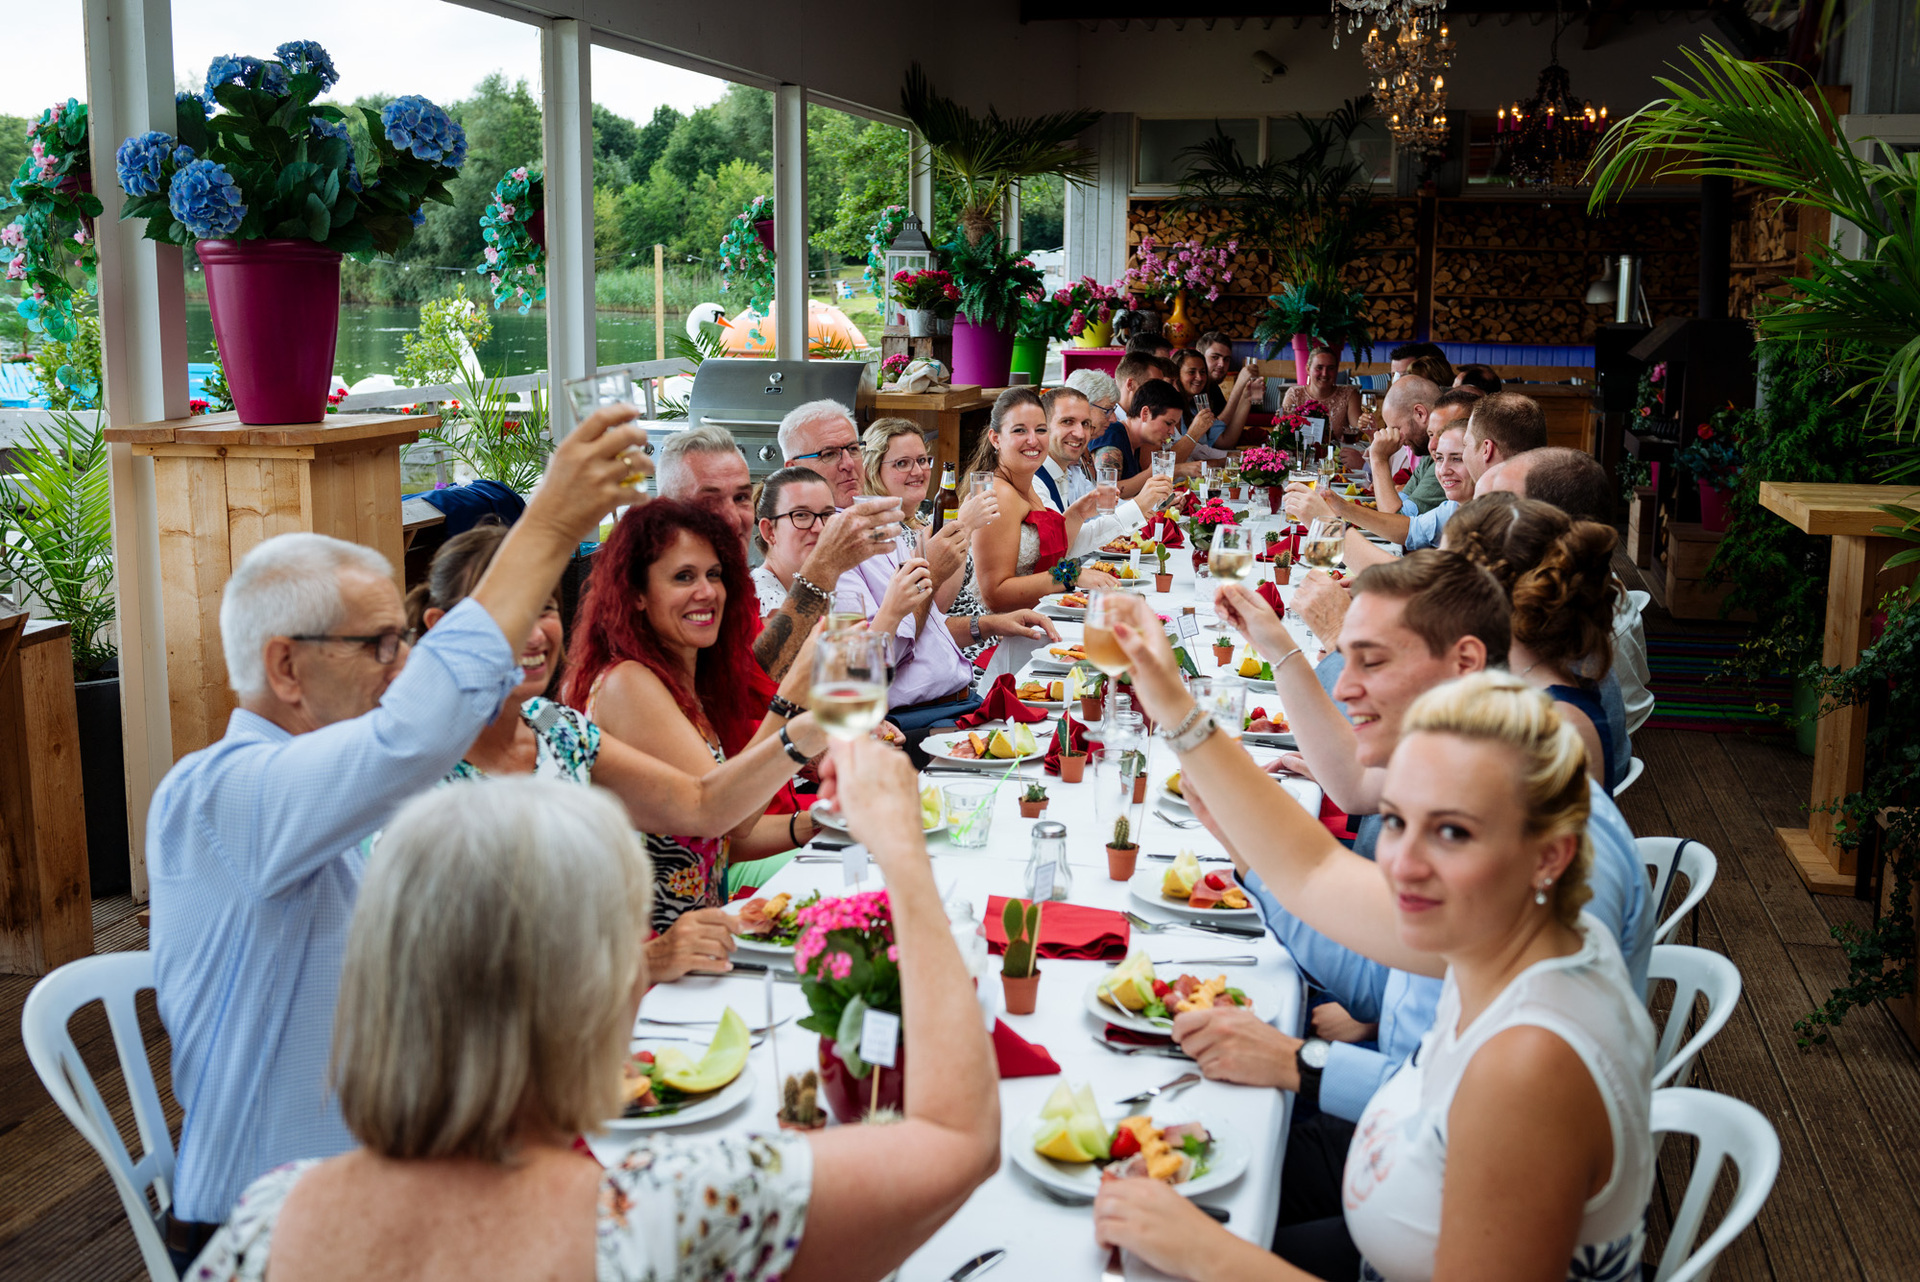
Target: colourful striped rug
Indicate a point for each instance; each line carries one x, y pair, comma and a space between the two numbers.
1692, 692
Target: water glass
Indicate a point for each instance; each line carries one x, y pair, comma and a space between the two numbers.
979, 483
1106, 482
1225, 699
1117, 816
969, 813
615, 387
1164, 463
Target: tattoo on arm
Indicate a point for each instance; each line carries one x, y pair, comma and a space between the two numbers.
784, 632
1109, 457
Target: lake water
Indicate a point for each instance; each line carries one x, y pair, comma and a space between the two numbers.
370, 338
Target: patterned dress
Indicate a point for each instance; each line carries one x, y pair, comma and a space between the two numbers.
679, 1209
567, 744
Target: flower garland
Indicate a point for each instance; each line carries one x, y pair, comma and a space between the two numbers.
1185, 264
49, 245
744, 261
516, 259
879, 240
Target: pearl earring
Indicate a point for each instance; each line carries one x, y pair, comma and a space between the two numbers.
1540, 893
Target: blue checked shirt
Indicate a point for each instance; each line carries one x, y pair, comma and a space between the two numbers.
253, 850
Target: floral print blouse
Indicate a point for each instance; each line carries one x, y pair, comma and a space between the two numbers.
673, 1210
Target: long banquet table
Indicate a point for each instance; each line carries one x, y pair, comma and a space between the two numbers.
1043, 1238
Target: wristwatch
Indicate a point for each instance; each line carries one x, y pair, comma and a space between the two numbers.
973, 628
1309, 1059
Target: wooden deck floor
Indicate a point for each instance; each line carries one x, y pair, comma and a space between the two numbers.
1848, 1113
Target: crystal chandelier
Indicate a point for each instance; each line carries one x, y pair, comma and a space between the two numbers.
1549, 138
1408, 89
1377, 14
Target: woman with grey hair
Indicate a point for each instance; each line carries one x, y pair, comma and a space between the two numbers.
494, 970
1101, 392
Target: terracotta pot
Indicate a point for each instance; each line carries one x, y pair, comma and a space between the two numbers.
1163, 583
785, 1125
1120, 862
1073, 768
275, 306
1032, 809
849, 1097
1222, 653
1139, 788
1091, 706
1021, 994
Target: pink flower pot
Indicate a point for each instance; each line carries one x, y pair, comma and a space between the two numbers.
276, 314
982, 357
1713, 507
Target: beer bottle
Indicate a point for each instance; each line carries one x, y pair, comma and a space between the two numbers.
946, 505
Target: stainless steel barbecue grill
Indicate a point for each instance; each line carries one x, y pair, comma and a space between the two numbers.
749, 397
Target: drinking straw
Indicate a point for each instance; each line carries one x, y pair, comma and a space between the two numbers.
966, 829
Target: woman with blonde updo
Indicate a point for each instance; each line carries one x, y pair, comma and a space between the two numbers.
1514, 1143
1558, 572
897, 465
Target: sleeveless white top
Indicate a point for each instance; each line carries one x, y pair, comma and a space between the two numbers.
1396, 1165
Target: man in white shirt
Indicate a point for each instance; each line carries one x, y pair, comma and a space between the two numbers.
1064, 477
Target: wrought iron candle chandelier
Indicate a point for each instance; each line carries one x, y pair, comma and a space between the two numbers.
1408, 87
1549, 138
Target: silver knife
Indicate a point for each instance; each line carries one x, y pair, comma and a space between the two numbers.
761, 968
1204, 961
978, 1264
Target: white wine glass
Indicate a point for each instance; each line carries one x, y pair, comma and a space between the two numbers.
1324, 546
849, 696
1097, 639
1230, 559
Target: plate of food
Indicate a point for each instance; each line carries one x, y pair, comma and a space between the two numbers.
665, 1085
768, 926
990, 745
1259, 727
1186, 889
1170, 791
1131, 579
1051, 695
1058, 658
1064, 605
933, 814
1072, 1145
1137, 995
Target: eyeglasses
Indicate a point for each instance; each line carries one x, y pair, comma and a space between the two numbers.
830, 456
385, 647
905, 465
804, 518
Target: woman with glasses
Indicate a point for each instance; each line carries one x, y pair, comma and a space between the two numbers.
534, 735
795, 503
898, 466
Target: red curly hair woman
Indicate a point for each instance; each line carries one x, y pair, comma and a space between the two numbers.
663, 661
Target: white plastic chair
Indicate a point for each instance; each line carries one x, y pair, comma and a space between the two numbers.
1695, 972
1635, 768
1694, 861
111, 978
1728, 1130
1641, 599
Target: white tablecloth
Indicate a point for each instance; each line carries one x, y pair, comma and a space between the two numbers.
1043, 1239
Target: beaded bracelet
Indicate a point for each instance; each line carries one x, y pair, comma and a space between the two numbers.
1066, 573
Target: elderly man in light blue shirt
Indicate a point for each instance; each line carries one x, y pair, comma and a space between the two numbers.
254, 844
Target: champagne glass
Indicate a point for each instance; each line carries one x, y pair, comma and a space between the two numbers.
1097, 639
1107, 489
849, 695
849, 610
1230, 559
1324, 546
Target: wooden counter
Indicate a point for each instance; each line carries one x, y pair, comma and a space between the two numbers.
1569, 412
46, 901
223, 487
948, 415
1856, 580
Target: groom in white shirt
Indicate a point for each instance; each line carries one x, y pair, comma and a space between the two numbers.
1065, 477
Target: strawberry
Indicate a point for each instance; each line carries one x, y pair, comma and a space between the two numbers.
1161, 988
1125, 1144
645, 1057
1217, 881
1258, 714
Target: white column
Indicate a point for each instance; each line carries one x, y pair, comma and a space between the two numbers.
566, 113
920, 181
1010, 218
790, 222
143, 339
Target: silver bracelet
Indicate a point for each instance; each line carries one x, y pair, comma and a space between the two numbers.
801, 581
1288, 655
1185, 739
1186, 724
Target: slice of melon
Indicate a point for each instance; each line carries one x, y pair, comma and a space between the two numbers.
1055, 1139
1061, 1103
1000, 746
726, 1056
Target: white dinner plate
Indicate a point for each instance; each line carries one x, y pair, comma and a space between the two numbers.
752, 947
937, 746
837, 822
1265, 1004
1051, 607
706, 1108
1145, 887
1227, 1162
1270, 738
1171, 797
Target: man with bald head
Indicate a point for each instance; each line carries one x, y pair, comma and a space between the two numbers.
1404, 413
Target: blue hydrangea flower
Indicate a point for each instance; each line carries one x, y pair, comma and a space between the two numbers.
353, 178
420, 217
329, 129
274, 79
307, 55
204, 198
139, 162
412, 124
205, 104
231, 69
181, 155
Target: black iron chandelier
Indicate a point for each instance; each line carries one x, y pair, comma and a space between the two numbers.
1549, 138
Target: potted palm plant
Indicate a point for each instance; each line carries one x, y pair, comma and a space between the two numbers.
56, 538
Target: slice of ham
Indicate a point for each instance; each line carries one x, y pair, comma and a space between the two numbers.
1203, 896
1177, 1133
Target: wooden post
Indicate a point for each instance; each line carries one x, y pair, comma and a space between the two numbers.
46, 900
225, 487
660, 302
1856, 581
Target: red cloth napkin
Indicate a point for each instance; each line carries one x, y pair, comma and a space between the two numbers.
1336, 820
1067, 930
1078, 737
1019, 1057
1269, 592
1001, 704
1166, 532
1134, 1037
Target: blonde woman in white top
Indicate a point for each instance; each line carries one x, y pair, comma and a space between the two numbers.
1515, 1144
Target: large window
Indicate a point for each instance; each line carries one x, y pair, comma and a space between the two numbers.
1158, 160
1371, 144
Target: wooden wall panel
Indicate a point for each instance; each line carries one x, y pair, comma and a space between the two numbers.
46, 904
194, 565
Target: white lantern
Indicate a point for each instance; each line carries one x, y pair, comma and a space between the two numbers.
910, 251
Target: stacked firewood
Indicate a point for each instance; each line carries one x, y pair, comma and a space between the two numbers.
1517, 320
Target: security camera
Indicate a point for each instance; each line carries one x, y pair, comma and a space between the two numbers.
1269, 66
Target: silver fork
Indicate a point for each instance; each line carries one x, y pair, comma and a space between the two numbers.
1178, 823
694, 1023
1178, 1084
1146, 927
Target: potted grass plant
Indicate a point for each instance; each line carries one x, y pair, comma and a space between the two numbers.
1020, 964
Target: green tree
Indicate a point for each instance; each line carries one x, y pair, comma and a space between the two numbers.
1043, 212
614, 136
714, 200
652, 143
13, 148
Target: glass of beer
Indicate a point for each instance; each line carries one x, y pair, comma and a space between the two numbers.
849, 695
1097, 638
1107, 488
1230, 559
1324, 546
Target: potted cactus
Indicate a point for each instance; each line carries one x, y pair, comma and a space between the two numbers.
1092, 685
1133, 764
1073, 761
1222, 651
1033, 802
1122, 851
800, 1108
1020, 965
1162, 578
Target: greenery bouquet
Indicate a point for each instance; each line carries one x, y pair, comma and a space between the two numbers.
745, 261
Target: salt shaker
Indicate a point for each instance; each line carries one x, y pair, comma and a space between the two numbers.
1048, 875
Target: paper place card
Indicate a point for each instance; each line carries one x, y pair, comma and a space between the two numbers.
879, 1037
1189, 625
853, 864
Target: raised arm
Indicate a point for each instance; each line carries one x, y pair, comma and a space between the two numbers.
662, 798
1380, 451
909, 1178
848, 538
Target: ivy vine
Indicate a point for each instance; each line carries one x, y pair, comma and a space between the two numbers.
48, 243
